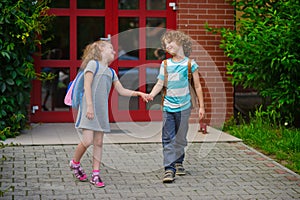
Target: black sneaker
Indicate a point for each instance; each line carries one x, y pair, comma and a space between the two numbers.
168, 176
180, 171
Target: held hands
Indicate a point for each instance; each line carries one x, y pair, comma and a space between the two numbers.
148, 97
145, 97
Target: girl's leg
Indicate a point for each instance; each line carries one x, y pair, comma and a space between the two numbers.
97, 151
87, 140
97, 157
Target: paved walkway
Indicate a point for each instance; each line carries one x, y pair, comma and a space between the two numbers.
218, 166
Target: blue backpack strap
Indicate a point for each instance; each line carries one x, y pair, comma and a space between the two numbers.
112, 72
97, 67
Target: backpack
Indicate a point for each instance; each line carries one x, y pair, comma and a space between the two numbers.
75, 89
191, 84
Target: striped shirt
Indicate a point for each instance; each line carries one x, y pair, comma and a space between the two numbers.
178, 96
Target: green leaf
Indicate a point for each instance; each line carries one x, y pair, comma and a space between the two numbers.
3, 113
19, 82
10, 81
5, 54
3, 87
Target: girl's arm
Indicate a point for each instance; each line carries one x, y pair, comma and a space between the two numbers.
88, 79
126, 92
199, 93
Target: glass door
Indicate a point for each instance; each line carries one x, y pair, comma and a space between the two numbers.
135, 27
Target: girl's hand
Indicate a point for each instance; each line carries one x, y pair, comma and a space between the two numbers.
90, 112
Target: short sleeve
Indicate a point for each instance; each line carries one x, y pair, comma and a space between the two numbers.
195, 66
161, 74
91, 67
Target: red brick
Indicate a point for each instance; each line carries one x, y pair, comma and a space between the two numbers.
197, 1
207, 7
182, 6
292, 178
280, 171
217, 12
216, 1
230, 17
224, 6
197, 12
269, 164
260, 158
241, 148
188, 16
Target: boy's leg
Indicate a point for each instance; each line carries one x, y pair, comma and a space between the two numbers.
168, 140
182, 125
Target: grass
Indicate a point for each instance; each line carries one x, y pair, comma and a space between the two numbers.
281, 143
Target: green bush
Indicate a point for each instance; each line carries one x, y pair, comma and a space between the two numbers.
21, 24
265, 51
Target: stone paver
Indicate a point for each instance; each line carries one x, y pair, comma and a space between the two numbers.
133, 171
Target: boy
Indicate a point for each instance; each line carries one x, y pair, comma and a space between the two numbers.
177, 101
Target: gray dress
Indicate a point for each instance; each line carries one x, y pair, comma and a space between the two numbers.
100, 92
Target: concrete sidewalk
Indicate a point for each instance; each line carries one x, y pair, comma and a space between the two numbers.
218, 166
121, 132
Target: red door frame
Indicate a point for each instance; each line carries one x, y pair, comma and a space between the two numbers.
111, 27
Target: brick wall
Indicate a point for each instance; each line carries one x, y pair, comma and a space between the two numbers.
192, 15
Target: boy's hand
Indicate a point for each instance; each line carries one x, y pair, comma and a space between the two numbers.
149, 97
144, 96
201, 112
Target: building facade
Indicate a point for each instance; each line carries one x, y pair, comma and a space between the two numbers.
134, 28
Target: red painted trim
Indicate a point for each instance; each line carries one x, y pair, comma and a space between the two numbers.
111, 13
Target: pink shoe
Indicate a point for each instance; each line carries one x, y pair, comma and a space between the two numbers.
96, 181
78, 171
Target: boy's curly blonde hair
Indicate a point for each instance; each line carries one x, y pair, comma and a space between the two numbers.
180, 38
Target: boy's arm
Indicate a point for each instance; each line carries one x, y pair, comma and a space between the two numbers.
126, 92
156, 89
199, 93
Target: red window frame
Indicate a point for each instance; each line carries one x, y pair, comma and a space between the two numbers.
111, 14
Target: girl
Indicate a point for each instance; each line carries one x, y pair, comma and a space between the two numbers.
92, 116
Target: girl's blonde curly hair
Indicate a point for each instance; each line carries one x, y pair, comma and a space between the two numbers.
92, 52
180, 38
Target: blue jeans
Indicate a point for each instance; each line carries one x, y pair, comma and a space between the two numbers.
175, 128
